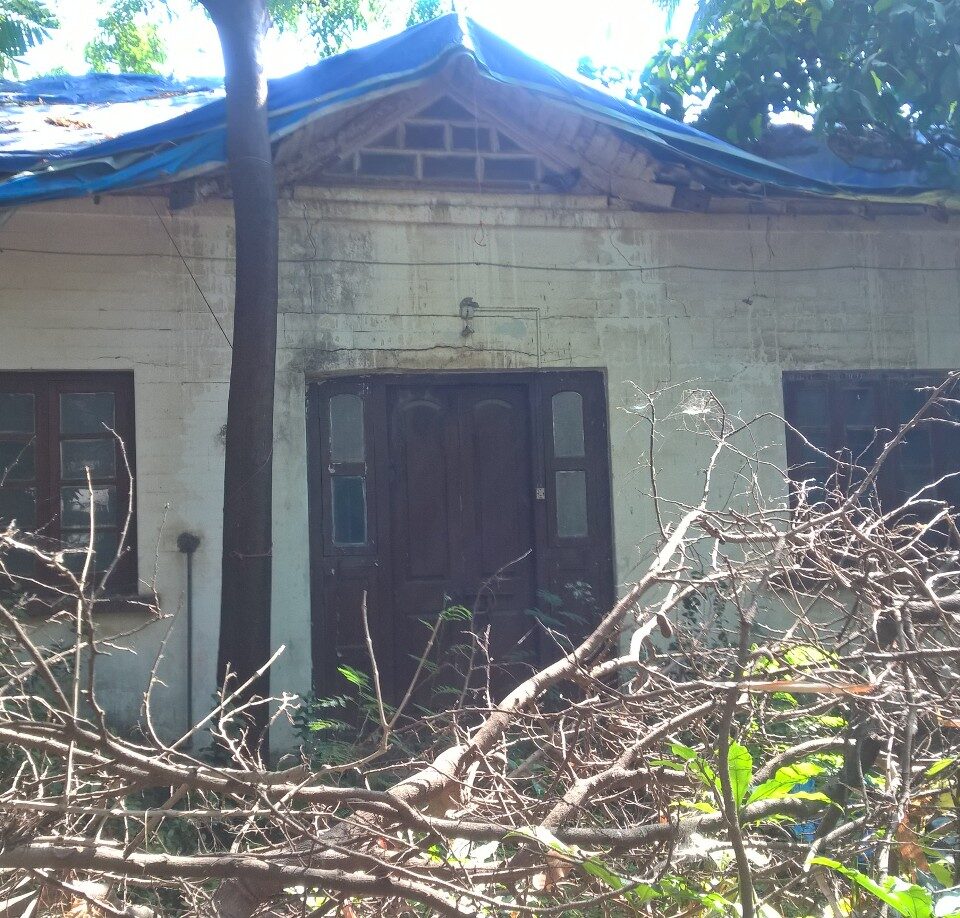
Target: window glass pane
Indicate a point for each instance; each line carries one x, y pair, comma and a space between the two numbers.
449, 167
861, 445
471, 138
86, 412
567, 425
18, 504
100, 456
105, 543
424, 136
858, 408
913, 479
571, 504
16, 462
915, 449
346, 428
349, 510
515, 169
388, 164
801, 454
910, 400
809, 407
17, 563
16, 412
75, 506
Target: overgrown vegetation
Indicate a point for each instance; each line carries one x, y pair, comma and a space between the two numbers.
787, 746
23, 25
130, 38
880, 76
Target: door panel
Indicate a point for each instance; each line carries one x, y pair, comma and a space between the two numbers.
460, 513
424, 517
498, 520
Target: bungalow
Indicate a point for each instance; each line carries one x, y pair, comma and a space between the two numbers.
482, 261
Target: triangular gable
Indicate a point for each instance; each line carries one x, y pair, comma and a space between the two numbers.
445, 144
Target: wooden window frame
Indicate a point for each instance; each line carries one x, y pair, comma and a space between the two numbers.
888, 387
46, 388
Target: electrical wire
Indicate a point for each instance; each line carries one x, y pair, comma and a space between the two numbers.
508, 266
196, 283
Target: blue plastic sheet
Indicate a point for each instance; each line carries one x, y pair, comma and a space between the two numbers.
73, 153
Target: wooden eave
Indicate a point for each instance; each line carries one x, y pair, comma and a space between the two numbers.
604, 160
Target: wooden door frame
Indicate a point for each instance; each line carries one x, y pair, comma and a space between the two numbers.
323, 630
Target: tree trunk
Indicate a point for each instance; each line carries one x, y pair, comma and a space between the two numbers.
247, 492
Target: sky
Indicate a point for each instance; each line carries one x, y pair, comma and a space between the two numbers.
618, 33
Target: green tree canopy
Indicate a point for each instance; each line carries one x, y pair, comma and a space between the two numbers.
23, 24
875, 70
129, 40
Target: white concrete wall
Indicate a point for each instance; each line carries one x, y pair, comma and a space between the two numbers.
373, 279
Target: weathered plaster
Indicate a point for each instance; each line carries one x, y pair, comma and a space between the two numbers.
371, 280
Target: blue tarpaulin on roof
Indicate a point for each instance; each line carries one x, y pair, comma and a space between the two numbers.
85, 149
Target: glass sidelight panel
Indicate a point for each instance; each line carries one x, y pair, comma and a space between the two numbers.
567, 425
571, 488
349, 510
346, 428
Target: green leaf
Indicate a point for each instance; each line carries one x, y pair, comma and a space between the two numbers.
937, 767
683, 752
601, 872
906, 899
818, 796
700, 805
354, 676
456, 614
740, 766
784, 780
698, 765
941, 872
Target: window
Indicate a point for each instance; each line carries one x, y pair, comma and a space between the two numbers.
348, 486
568, 460
445, 144
850, 415
54, 427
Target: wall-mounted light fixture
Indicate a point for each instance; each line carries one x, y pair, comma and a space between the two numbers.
468, 309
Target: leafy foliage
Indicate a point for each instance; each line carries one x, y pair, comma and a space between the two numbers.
23, 24
425, 10
126, 40
878, 70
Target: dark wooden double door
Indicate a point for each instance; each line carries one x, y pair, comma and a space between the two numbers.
482, 499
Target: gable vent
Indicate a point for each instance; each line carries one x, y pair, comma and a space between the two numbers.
445, 144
